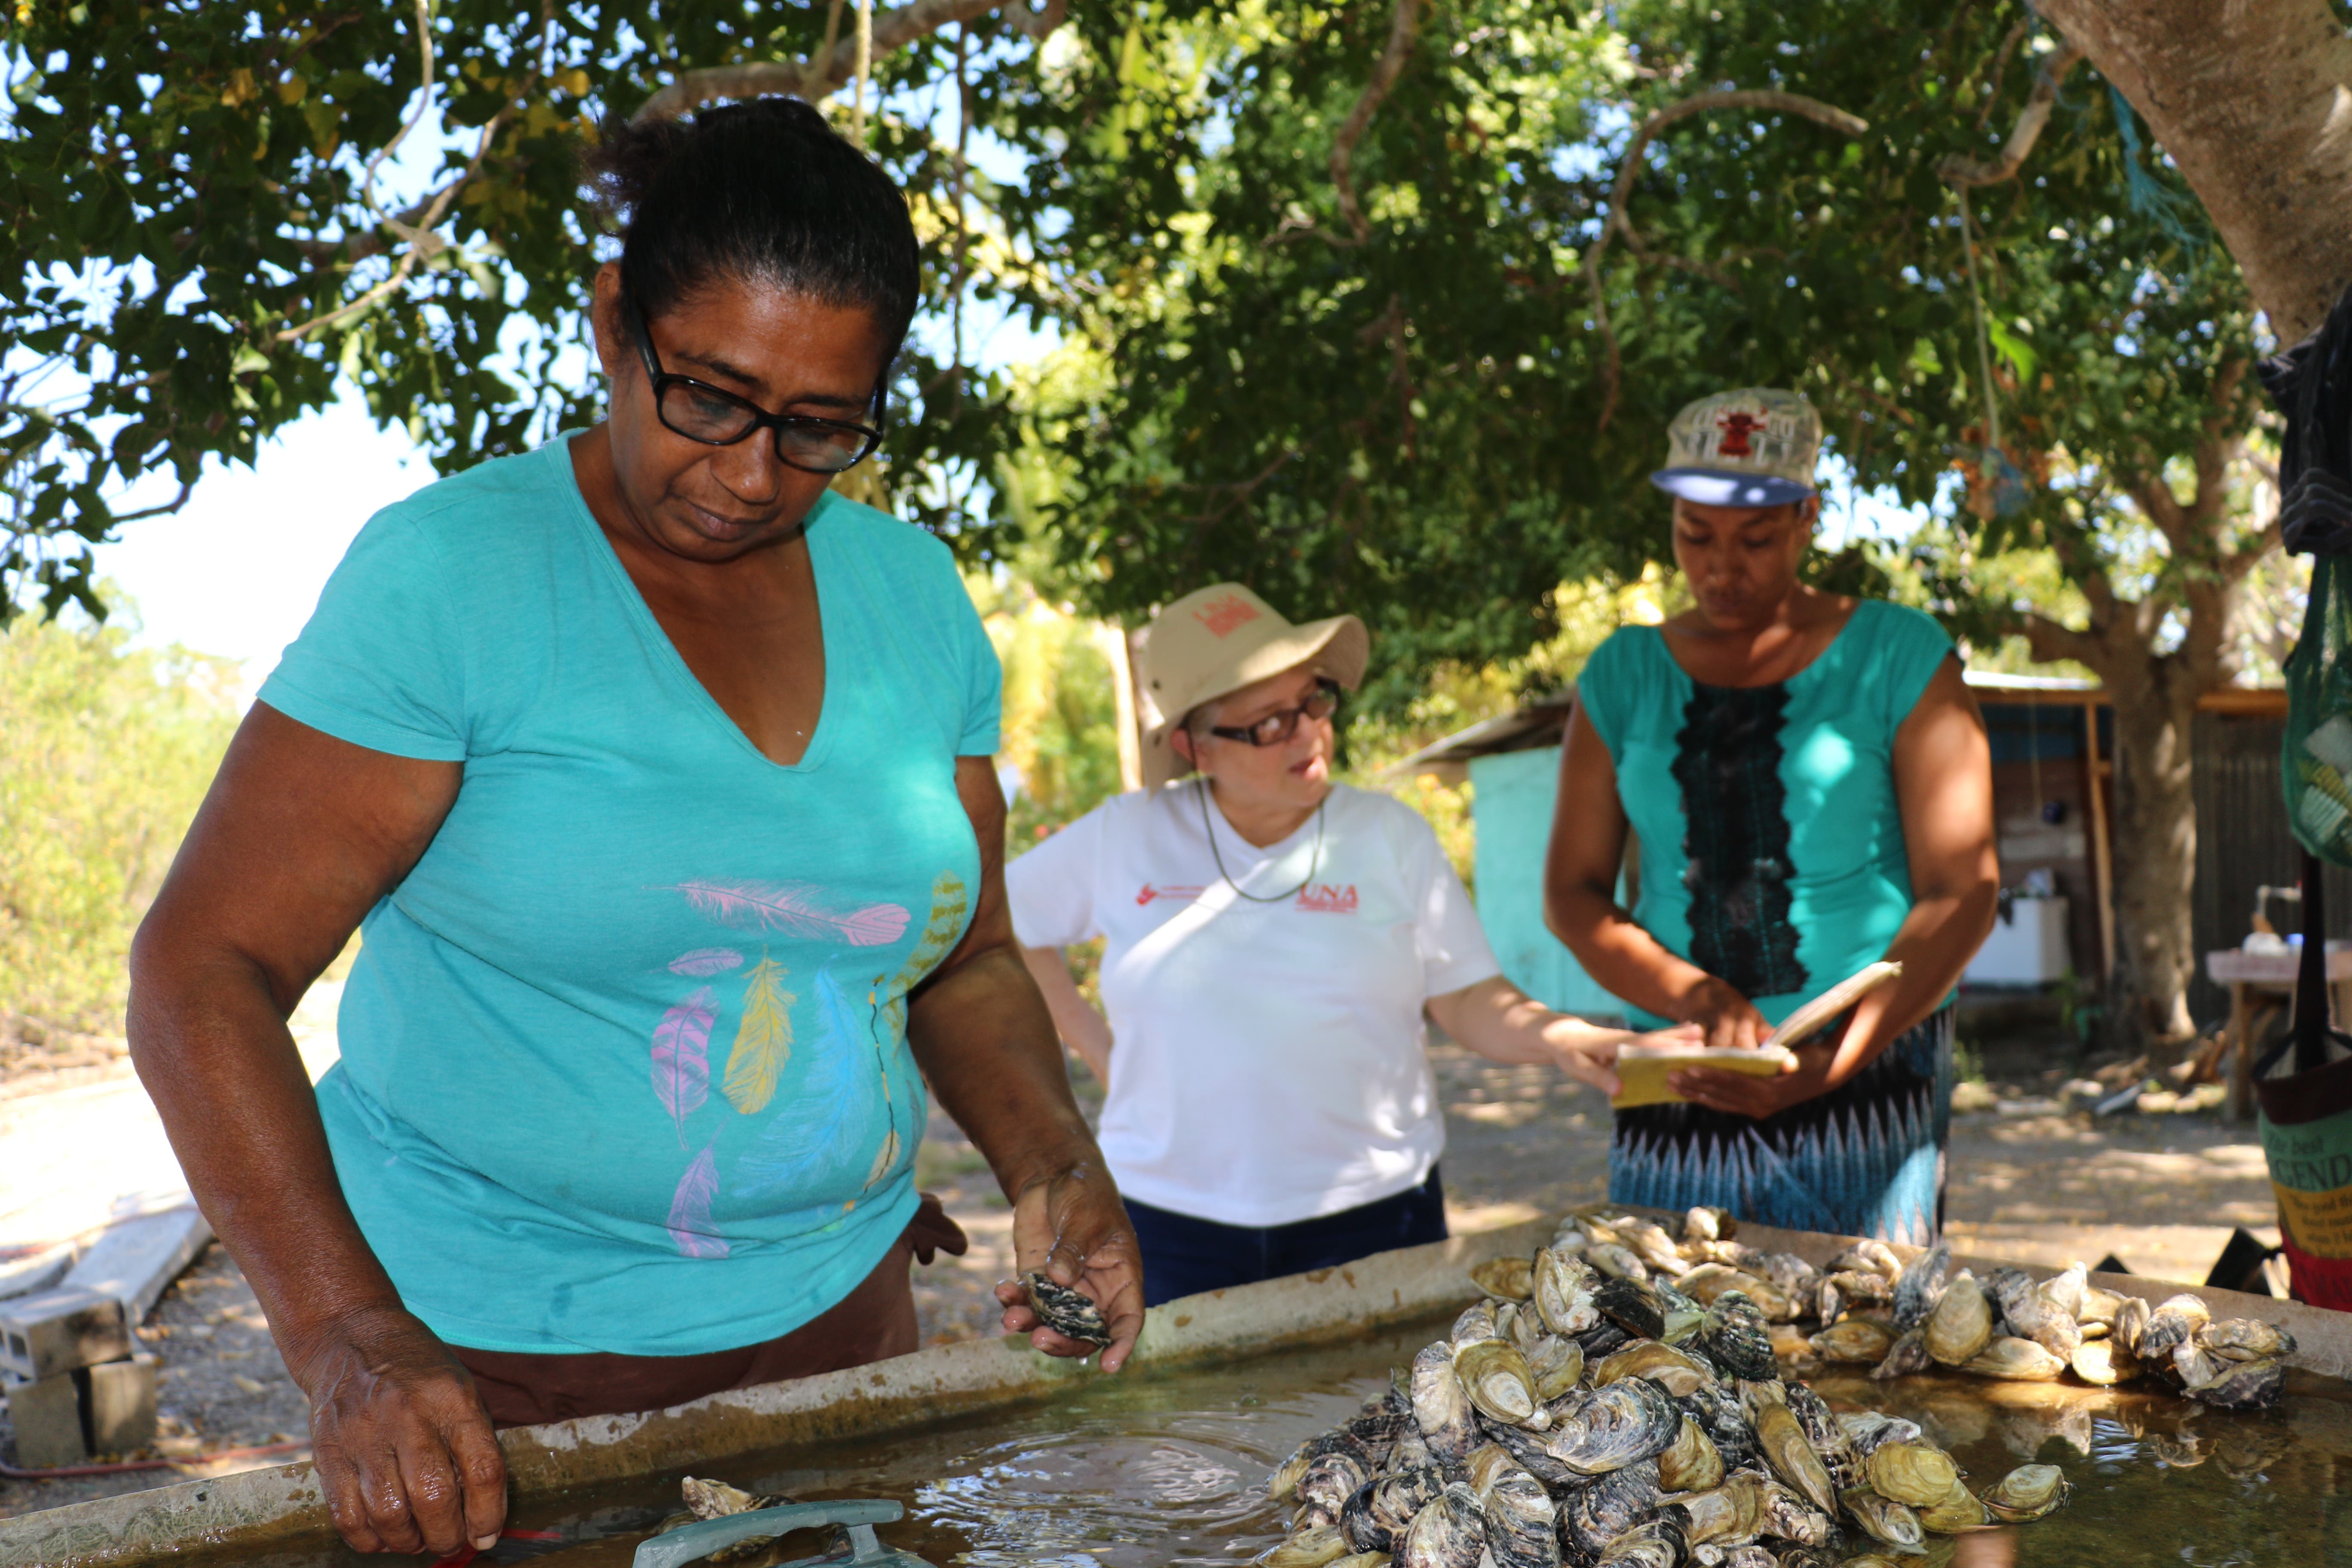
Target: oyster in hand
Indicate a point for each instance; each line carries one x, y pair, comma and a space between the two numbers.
1068, 1312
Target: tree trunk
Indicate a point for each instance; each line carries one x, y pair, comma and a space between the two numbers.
2156, 830
2253, 99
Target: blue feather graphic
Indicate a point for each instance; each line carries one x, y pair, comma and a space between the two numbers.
826, 1122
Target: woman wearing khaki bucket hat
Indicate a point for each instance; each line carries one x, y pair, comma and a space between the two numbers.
1276, 941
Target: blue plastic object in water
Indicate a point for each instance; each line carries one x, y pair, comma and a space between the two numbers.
675, 1547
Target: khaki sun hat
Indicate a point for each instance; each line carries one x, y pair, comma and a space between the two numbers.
1755, 446
1225, 638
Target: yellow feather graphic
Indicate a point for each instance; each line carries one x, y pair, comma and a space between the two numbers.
951, 902
883, 1159
763, 1041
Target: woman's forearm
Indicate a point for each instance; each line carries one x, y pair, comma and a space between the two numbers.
212, 1048
987, 1045
1081, 1029
1933, 945
1625, 960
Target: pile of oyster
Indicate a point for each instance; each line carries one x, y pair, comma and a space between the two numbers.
1868, 1306
1618, 1399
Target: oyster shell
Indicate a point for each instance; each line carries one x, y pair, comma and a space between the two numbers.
2064, 1289
1731, 1511
1656, 1544
2192, 1365
1868, 1256
1310, 1548
1789, 1452
1830, 1443
1704, 1224
1441, 1406
1788, 1516
1497, 1379
2104, 1363
1718, 1414
2242, 1385
1616, 1260
1525, 1449
1602, 1339
2012, 1360
1561, 1289
1650, 1243
2131, 1321
1069, 1313
2027, 1492
1511, 1278
2098, 1307
1694, 1463
1907, 1355
2245, 1339
1915, 1473
2030, 1315
1634, 1305
1595, 1515
1734, 1335
1961, 1324
1920, 1286
1331, 1481
1450, 1532
1883, 1519
1283, 1484
1557, 1365
1958, 1510
1382, 1509
1706, 1282
2173, 1321
1788, 1271
1870, 1430
1477, 1322
1855, 1339
1522, 1527
1412, 1450
1630, 1421
1671, 1369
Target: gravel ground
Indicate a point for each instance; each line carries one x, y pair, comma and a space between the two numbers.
2028, 1180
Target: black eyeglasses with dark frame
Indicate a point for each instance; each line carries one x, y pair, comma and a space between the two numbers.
1276, 728
717, 417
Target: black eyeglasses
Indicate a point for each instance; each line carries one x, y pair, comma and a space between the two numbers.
1276, 728
700, 412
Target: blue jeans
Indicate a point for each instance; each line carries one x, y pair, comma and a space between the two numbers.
1183, 1256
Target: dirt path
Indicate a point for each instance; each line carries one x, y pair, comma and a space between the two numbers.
2029, 1182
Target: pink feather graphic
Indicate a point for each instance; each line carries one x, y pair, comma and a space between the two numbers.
682, 1058
689, 1211
793, 907
705, 961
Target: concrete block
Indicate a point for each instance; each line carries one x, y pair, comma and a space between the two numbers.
121, 1404
47, 1418
37, 1271
137, 1259
56, 1332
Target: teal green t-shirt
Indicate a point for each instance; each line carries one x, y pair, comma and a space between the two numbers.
624, 1056
1772, 852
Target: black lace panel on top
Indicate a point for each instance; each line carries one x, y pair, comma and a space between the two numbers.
1728, 761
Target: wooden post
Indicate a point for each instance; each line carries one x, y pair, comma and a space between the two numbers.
2103, 874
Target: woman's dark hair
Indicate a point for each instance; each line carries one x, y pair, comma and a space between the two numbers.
762, 191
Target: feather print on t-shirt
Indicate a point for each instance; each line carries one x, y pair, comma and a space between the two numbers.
791, 907
950, 907
682, 1057
818, 1132
705, 961
689, 1210
763, 1040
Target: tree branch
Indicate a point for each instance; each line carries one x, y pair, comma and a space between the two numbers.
2049, 640
816, 76
1961, 170
1402, 26
1638, 150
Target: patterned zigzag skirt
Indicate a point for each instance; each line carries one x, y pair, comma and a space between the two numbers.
1866, 1159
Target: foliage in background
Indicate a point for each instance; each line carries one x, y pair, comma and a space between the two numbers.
105, 752
201, 237
1061, 720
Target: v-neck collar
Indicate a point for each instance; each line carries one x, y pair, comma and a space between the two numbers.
649, 626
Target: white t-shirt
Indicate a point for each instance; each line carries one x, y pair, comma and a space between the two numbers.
1268, 1060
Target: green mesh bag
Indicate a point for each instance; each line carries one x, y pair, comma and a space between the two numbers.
2317, 765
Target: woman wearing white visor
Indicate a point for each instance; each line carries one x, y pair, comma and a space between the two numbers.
1275, 942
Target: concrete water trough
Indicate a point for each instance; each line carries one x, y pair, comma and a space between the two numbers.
278, 1513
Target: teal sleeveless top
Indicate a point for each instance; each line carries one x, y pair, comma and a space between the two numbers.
1771, 847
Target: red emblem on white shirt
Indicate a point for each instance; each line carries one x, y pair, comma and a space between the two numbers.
1149, 892
1325, 898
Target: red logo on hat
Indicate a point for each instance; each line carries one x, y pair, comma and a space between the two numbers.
1736, 428
1222, 616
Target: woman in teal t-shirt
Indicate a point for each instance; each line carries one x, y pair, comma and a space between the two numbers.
657, 777
1813, 791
